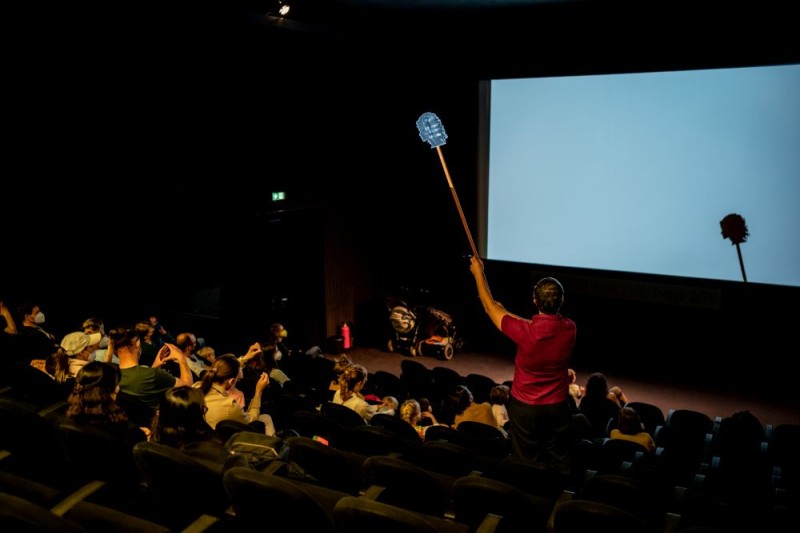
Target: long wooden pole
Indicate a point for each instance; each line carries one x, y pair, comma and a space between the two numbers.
458, 204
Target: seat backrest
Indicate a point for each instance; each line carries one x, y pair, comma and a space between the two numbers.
228, 427
446, 458
586, 515
342, 415
650, 414
614, 454
33, 443
182, 488
94, 517
385, 383
326, 465
290, 505
480, 385
784, 445
362, 514
690, 420
630, 494
20, 515
99, 454
312, 424
397, 426
476, 496
486, 440
530, 477
373, 440
408, 486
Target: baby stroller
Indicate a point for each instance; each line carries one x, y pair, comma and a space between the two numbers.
421, 331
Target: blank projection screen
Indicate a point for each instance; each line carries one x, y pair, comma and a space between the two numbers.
634, 172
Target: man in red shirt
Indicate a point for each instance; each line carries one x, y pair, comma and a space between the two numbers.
540, 419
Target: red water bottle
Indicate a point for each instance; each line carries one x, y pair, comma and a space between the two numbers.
347, 344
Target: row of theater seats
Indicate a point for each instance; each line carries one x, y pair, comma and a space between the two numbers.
443, 483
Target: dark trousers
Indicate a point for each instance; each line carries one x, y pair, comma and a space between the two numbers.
542, 433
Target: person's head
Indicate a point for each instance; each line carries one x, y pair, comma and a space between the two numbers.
596, 385
411, 412
629, 421
30, 314
207, 354
352, 380
425, 404
144, 330
186, 342
81, 345
278, 332
93, 325
548, 295
460, 399
93, 398
390, 402
342, 363
225, 372
127, 344
180, 418
270, 355
498, 395
57, 365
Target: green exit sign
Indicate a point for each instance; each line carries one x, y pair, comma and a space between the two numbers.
278, 196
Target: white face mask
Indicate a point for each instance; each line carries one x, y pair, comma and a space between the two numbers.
39, 318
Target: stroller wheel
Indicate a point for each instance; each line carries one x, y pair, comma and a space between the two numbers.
447, 353
390, 345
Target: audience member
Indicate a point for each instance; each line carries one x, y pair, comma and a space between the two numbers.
599, 404
630, 428
96, 325
411, 412
427, 411
351, 382
187, 342
541, 421
341, 363
575, 390
466, 408
278, 335
80, 347
160, 334
147, 383
266, 360
498, 397
388, 406
93, 403
216, 385
32, 340
180, 423
145, 331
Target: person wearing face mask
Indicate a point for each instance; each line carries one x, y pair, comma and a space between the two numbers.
32, 340
278, 335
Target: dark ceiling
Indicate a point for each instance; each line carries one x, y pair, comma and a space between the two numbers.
507, 38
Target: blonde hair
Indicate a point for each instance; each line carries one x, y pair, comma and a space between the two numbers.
410, 411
